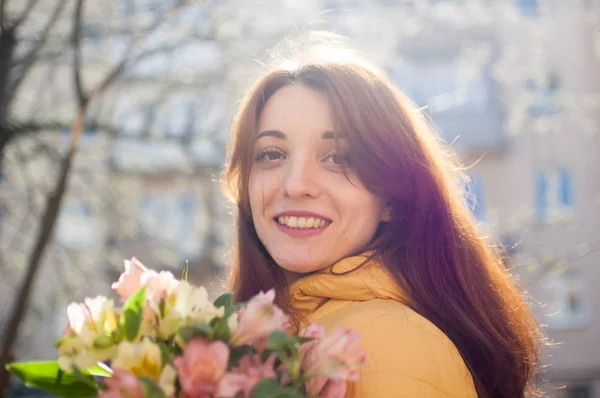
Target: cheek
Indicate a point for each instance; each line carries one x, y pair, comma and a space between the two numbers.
261, 191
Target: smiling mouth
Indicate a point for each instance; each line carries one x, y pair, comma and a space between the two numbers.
302, 222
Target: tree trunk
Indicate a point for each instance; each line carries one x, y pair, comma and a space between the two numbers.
50, 215
8, 44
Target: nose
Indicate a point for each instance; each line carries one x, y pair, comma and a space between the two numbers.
301, 179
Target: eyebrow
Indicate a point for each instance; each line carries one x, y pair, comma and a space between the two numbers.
327, 135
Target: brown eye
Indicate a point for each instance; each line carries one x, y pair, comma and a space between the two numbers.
337, 159
269, 155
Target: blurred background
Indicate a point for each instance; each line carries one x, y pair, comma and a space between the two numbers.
115, 114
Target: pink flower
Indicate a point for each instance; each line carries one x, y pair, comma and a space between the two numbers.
258, 319
158, 284
334, 389
231, 384
254, 370
314, 331
122, 384
130, 281
201, 367
336, 356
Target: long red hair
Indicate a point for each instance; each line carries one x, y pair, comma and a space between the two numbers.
432, 247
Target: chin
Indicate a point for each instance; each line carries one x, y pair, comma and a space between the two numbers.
299, 264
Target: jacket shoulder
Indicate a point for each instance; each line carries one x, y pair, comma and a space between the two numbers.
407, 355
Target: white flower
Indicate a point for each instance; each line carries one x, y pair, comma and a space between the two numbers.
73, 352
186, 304
166, 381
141, 359
232, 321
93, 318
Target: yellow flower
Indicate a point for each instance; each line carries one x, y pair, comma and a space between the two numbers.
141, 359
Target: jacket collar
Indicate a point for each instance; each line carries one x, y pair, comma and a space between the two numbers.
367, 279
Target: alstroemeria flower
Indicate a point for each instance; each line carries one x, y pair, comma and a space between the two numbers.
186, 304
141, 359
92, 318
254, 371
122, 384
74, 353
202, 367
336, 356
166, 381
321, 386
136, 275
130, 280
258, 319
89, 323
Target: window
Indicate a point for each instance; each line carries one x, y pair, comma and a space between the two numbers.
466, 111
529, 8
178, 118
170, 219
137, 120
554, 195
75, 226
86, 137
565, 299
543, 94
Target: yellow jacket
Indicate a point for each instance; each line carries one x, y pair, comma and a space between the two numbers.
407, 356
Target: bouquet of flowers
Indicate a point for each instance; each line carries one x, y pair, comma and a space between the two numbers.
167, 340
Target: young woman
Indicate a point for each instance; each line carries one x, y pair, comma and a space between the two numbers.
350, 209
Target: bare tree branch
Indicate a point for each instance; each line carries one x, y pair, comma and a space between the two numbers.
24, 64
118, 69
30, 188
76, 40
2, 26
26, 11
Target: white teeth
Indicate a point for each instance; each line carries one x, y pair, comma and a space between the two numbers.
302, 222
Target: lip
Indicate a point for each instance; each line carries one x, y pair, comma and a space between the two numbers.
300, 233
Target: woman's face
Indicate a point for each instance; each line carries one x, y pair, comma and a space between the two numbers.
308, 214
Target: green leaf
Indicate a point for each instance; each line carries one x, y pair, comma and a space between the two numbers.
184, 275
47, 376
224, 300
237, 354
161, 307
60, 341
151, 390
234, 308
131, 317
103, 341
84, 378
198, 329
165, 354
280, 340
221, 329
98, 370
269, 388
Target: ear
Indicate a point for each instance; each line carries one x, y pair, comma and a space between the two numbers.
386, 214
